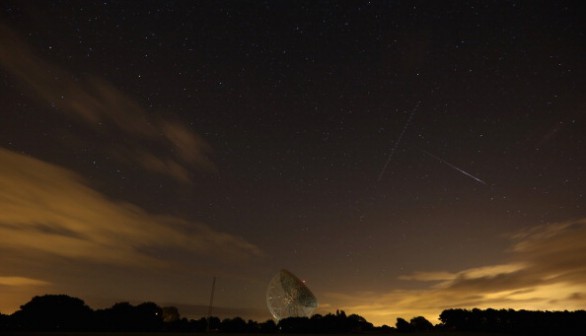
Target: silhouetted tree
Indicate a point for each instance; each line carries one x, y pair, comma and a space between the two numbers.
520, 322
233, 325
403, 326
295, 325
212, 323
357, 323
252, 327
117, 318
4, 322
61, 313
179, 325
123, 316
330, 323
385, 328
202, 324
420, 323
454, 319
269, 326
150, 316
54, 313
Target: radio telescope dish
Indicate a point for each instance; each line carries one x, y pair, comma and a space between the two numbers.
287, 296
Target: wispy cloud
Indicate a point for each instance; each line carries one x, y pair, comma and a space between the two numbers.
547, 271
49, 209
55, 228
16, 281
98, 105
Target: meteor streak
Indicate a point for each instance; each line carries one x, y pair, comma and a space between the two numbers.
454, 167
382, 172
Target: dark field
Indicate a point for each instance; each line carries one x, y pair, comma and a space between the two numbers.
431, 333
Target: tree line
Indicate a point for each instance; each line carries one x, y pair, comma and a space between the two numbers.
521, 322
65, 313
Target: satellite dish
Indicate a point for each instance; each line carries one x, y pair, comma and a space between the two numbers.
287, 296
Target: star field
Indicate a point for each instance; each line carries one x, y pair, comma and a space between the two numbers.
400, 156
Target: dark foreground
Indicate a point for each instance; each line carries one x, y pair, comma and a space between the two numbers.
390, 333
64, 315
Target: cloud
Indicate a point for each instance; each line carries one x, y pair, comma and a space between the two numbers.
16, 281
49, 210
99, 105
429, 276
63, 235
546, 271
156, 164
448, 278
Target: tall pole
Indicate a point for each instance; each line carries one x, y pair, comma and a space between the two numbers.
211, 303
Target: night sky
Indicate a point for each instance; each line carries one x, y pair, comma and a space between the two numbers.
401, 157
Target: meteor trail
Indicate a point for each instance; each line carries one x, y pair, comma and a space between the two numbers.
454, 167
382, 172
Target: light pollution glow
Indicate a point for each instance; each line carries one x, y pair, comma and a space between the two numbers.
48, 210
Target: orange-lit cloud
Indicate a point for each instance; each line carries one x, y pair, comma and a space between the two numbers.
14, 281
547, 271
49, 209
98, 104
55, 228
49, 217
